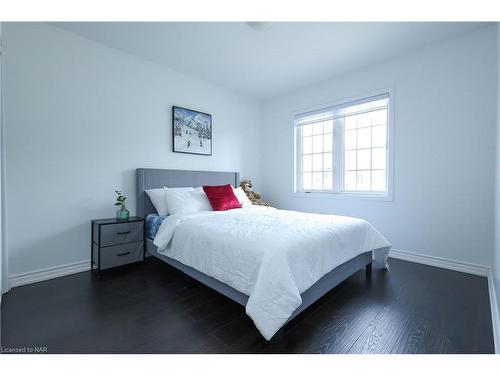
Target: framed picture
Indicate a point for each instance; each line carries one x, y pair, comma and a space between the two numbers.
192, 131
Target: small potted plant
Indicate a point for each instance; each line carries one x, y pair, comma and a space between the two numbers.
122, 213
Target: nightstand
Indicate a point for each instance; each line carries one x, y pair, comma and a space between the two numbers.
117, 242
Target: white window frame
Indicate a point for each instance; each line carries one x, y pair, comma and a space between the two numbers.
338, 152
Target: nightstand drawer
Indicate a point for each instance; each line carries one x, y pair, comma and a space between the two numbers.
115, 234
118, 255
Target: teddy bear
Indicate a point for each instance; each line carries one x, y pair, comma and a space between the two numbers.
254, 197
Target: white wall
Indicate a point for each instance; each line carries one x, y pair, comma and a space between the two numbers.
445, 120
2, 265
496, 258
79, 118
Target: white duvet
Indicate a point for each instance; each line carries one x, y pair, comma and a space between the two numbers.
270, 255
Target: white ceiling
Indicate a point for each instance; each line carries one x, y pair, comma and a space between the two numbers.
265, 63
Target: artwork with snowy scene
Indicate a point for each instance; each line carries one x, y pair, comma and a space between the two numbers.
192, 131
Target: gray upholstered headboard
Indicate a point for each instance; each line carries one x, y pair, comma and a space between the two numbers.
158, 178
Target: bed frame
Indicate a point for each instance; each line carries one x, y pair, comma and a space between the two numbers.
157, 178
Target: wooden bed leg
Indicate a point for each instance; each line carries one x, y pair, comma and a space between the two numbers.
368, 270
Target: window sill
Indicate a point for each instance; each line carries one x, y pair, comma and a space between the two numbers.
356, 196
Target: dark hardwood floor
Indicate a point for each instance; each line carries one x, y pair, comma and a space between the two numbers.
153, 308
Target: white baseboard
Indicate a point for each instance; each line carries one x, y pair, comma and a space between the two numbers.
495, 312
48, 273
448, 264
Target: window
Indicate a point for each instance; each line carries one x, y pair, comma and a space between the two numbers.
344, 148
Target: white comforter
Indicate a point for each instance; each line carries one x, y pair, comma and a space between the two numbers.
270, 255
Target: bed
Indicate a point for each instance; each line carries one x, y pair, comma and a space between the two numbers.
273, 293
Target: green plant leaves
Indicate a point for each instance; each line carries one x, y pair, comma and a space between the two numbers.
120, 199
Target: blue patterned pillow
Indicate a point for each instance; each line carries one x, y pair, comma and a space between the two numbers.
153, 222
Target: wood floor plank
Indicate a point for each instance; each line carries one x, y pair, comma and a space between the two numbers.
382, 332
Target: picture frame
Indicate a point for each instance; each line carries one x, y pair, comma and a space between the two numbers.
191, 131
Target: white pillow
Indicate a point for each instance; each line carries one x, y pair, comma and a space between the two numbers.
242, 198
183, 202
157, 197
159, 200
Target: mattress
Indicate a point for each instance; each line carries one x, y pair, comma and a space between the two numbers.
152, 224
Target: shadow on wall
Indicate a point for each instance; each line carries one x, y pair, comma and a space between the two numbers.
129, 188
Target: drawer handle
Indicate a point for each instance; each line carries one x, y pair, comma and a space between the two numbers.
127, 232
123, 254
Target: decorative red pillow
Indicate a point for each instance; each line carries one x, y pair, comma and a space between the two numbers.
221, 197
